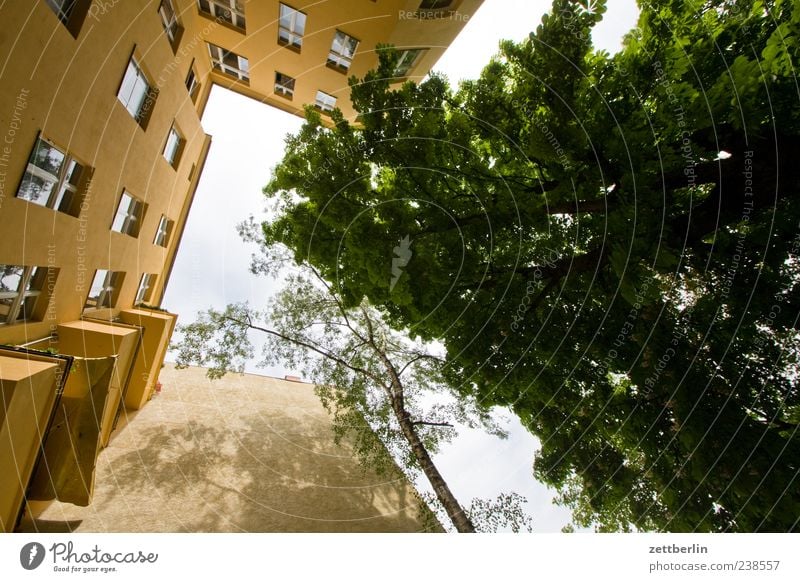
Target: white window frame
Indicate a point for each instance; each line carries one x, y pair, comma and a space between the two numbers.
64, 185
111, 280
447, 7
20, 294
169, 18
217, 54
341, 55
63, 13
192, 84
173, 146
403, 66
323, 101
291, 35
129, 214
163, 232
283, 89
146, 283
134, 89
229, 11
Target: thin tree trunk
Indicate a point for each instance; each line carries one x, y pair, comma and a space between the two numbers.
396, 393
451, 505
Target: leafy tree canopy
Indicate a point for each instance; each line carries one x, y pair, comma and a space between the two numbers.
606, 244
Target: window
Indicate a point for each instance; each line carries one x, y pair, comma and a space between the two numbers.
21, 289
408, 58
229, 11
325, 102
130, 212
192, 84
105, 289
136, 94
174, 146
342, 50
71, 13
291, 27
170, 21
163, 231
229, 63
52, 179
146, 285
284, 85
435, 4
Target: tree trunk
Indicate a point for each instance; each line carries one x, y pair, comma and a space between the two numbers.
451, 505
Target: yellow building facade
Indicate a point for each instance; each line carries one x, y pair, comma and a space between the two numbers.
101, 150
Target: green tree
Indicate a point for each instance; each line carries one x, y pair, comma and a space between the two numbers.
606, 244
380, 387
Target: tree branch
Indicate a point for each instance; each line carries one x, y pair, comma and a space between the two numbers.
305, 344
423, 422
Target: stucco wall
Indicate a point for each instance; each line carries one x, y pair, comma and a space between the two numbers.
245, 453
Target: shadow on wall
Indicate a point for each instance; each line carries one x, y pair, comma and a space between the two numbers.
199, 478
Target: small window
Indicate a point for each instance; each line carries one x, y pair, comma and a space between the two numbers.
163, 232
169, 19
342, 51
229, 63
129, 215
192, 84
284, 85
291, 27
408, 59
136, 94
53, 178
105, 289
174, 146
325, 102
435, 4
71, 13
22, 292
146, 284
228, 11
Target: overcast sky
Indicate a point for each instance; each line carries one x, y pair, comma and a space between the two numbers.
211, 268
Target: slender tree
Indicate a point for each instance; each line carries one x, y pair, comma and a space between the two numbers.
373, 379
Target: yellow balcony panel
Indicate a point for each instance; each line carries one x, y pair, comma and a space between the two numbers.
29, 385
157, 327
92, 339
73, 441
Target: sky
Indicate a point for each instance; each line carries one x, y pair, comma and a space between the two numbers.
211, 268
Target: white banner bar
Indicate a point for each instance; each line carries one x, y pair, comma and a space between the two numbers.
388, 557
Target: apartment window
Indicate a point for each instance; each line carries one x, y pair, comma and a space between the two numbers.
192, 84
170, 21
408, 59
71, 13
325, 102
229, 63
435, 4
291, 27
129, 215
229, 11
21, 289
146, 284
174, 146
52, 178
163, 231
342, 51
284, 85
104, 290
136, 94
